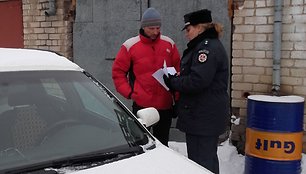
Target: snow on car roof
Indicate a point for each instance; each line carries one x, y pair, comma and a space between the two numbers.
20, 59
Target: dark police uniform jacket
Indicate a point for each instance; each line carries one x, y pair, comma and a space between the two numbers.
203, 106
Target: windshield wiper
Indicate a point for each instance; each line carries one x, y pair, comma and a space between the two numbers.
105, 156
86, 160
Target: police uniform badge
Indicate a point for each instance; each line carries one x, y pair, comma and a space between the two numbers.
203, 56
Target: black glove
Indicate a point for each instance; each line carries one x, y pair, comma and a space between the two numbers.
167, 80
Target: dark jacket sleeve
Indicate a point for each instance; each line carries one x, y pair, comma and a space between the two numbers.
200, 72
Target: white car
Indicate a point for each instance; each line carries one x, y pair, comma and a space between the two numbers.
57, 118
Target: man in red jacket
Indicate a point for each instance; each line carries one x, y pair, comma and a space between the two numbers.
138, 58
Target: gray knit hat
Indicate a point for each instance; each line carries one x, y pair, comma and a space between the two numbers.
150, 17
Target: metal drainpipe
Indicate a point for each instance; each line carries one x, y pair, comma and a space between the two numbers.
277, 44
52, 9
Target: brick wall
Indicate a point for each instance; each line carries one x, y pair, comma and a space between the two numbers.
52, 32
253, 48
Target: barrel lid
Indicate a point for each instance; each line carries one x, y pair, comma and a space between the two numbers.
278, 99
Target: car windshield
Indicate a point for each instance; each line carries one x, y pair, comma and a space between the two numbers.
52, 115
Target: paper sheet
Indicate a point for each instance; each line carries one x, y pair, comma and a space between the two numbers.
158, 75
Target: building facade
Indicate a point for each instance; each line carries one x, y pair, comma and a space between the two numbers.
48, 25
253, 53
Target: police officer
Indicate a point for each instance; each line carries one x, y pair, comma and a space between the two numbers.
203, 106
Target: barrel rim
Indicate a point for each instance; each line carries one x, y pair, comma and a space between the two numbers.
277, 99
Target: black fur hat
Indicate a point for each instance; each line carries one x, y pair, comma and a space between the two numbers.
197, 17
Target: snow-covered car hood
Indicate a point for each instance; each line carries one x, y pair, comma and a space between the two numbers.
160, 160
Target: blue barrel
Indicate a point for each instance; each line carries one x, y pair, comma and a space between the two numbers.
274, 134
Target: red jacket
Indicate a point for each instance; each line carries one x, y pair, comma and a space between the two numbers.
145, 56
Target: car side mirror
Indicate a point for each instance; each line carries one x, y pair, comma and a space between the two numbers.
148, 116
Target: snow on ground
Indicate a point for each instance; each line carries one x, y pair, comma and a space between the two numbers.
230, 161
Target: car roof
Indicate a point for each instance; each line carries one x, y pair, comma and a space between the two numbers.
22, 59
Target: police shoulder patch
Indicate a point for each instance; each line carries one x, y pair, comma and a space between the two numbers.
202, 57
203, 51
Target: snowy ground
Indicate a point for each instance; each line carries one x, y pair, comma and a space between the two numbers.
230, 161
